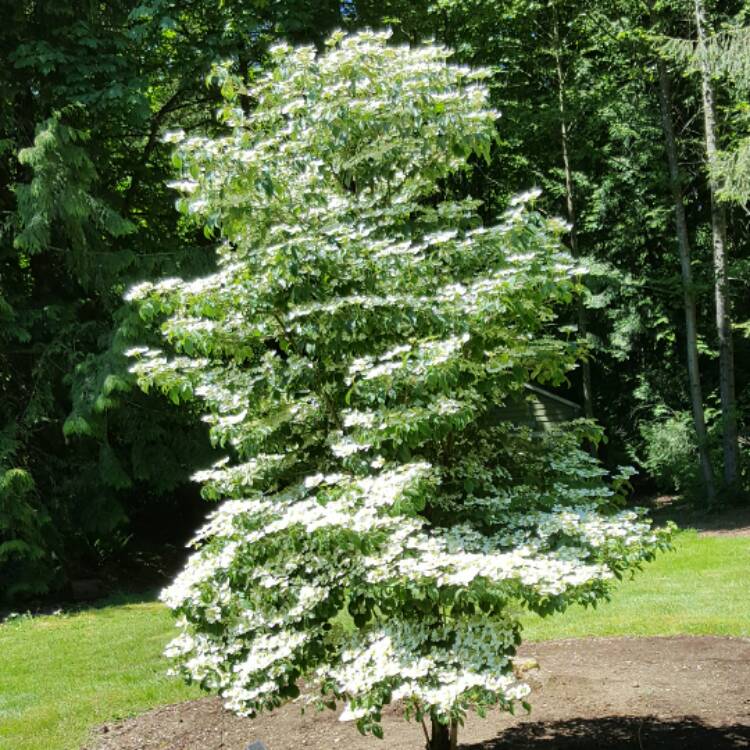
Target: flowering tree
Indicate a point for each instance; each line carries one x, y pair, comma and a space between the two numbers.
382, 529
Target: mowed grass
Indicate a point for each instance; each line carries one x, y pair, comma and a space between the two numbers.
702, 588
61, 676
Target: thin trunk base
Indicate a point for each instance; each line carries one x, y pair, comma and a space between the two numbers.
444, 737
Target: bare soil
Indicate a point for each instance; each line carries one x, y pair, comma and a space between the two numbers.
591, 694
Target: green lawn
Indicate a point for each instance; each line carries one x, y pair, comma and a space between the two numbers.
62, 675
702, 588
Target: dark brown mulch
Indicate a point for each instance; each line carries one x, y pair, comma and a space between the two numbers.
591, 694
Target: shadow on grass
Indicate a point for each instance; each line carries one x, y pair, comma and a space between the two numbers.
619, 733
119, 598
135, 575
63, 607
728, 519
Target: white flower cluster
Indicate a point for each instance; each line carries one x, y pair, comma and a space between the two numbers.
427, 664
223, 480
580, 531
413, 361
405, 657
443, 559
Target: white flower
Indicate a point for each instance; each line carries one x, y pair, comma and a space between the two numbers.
352, 714
173, 136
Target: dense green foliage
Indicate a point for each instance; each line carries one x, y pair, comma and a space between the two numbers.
88, 91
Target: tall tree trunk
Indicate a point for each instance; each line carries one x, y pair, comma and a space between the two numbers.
683, 244
719, 234
444, 737
588, 396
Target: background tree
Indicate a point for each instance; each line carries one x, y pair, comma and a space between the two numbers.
683, 244
711, 56
721, 294
349, 351
616, 153
88, 90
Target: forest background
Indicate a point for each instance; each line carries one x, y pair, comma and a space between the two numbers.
632, 117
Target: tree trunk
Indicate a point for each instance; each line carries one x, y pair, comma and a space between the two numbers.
588, 396
683, 244
719, 234
444, 737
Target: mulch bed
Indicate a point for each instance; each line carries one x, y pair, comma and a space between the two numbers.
680, 693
